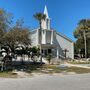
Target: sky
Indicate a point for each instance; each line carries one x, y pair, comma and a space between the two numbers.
64, 14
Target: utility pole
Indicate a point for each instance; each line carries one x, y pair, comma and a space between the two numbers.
85, 43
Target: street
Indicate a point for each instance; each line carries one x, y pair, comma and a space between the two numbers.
47, 82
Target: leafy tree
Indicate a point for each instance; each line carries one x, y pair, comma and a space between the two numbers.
18, 35
5, 21
12, 36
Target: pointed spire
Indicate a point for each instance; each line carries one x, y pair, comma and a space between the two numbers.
46, 12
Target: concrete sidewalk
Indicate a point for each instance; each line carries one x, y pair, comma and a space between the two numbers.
74, 65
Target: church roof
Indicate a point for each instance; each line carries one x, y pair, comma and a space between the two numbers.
65, 37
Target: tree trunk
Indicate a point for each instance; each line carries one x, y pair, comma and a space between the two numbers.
40, 42
85, 44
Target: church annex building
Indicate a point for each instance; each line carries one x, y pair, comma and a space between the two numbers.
52, 42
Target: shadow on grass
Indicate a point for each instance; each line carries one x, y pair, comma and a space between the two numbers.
37, 67
26, 66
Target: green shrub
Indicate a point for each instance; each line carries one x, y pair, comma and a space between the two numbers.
49, 58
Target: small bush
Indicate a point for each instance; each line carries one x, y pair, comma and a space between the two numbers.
49, 58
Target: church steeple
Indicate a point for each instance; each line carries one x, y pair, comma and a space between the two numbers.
46, 22
46, 12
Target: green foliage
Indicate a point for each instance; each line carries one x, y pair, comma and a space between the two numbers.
83, 27
5, 21
79, 45
49, 58
34, 50
12, 36
17, 35
40, 16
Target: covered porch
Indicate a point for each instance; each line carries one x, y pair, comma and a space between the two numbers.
47, 49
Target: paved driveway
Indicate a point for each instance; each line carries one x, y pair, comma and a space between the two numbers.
47, 82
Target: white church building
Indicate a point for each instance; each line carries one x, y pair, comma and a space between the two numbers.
52, 42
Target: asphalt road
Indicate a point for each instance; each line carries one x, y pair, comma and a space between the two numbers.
47, 82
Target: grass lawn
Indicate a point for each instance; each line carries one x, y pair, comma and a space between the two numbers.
46, 69
79, 62
7, 74
56, 69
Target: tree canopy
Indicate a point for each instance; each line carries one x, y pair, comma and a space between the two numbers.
83, 25
12, 35
82, 31
40, 17
5, 21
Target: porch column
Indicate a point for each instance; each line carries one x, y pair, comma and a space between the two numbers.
45, 37
57, 53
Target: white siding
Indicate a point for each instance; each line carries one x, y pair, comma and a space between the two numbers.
48, 37
34, 38
43, 36
64, 43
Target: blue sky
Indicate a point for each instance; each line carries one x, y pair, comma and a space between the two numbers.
64, 14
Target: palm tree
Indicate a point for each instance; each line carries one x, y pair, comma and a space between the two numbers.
81, 31
85, 27
40, 17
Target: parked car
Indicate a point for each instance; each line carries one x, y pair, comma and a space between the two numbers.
76, 56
